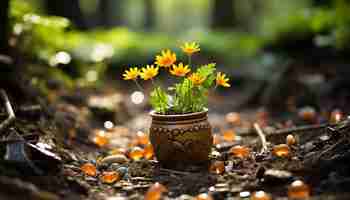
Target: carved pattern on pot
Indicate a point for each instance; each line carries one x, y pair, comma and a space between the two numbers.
181, 139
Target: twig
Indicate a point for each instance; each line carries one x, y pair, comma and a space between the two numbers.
6, 59
175, 171
30, 108
299, 129
262, 137
11, 115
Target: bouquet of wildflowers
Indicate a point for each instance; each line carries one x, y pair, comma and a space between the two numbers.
190, 93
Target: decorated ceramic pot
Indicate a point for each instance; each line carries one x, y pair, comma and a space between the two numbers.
182, 138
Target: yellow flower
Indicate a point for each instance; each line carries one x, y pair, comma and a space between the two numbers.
196, 79
180, 70
149, 72
132, 74
165, 59
222, 80
190, 48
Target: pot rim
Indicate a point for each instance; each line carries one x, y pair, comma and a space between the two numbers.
153, 113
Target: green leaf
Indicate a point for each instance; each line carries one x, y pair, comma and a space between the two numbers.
207, 71
190, 98
159, 100
183, 97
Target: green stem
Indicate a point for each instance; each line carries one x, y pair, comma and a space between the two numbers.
162, 109
189, 86
138, 86
191, 99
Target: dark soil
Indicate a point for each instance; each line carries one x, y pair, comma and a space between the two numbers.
67, 124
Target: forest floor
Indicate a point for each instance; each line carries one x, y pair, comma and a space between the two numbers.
46, 150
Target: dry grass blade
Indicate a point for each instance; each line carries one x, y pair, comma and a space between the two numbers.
262, 137
11, 114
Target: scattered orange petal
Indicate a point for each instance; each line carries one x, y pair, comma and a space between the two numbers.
142, 138
229, 135
203, 196
336, 116
118, 151
155, 192
307, 113
298, 190
281, 150
148, 151
260, 195
217, 167
240, 151
100, 138
233, 118
136, 153
290, 140
134, 142
110, 177
89, 169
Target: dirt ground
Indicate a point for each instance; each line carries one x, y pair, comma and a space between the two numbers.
49, 141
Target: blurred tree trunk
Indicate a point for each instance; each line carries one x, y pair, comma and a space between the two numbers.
321, 2
103, 13
67, 8
149, 14
109, 13
4, 7
223, 14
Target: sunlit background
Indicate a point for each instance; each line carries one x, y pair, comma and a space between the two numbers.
91, 41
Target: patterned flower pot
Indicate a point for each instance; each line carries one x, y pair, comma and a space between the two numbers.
184, 138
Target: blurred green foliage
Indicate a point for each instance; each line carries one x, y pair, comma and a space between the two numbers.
326, 26
81, 58
84, 56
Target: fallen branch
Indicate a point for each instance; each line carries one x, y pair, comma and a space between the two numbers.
306, 130
11, 114
262, 137
175, 171
300, 129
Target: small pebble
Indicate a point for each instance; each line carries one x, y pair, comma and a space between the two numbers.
123, 171
136, 153
307, 113
234, 118
217, 167
290, 140
203, 196
155, 192
298, 190
273, 175
119, 158
244, 194
324, 137
260, 195
281, 150
117, 198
